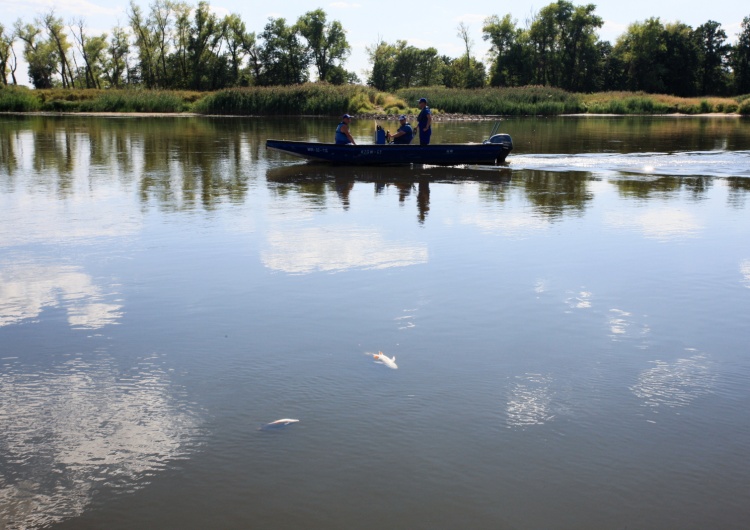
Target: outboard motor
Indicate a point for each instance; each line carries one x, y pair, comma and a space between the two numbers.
504, 139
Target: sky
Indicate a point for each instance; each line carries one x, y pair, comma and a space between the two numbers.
421, 24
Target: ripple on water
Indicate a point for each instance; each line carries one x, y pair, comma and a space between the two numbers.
675, 384
529, 401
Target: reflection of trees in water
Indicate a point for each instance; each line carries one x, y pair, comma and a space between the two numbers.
554, 194
179, 162
8, 160
646, 188
625, 134
738, 190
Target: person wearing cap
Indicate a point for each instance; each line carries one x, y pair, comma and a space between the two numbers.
424, 120
343, 136
404, 134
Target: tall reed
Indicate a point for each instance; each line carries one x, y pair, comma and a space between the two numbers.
309, 98
509, 101
18, 99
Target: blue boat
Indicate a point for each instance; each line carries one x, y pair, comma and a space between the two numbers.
490, 152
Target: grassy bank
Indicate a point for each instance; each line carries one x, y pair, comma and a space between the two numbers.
642, 103
22, 99
520, 101
328, 100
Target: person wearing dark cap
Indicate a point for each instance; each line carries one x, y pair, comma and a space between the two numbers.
404, 134
424, 120
343, 136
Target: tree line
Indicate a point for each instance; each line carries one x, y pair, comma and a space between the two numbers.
173, 45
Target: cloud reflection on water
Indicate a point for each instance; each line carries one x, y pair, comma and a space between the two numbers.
318, 249
73, 428
662, 224
745, 271
26, 289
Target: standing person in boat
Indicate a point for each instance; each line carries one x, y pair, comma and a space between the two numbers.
343, 136
424, 120
404, 134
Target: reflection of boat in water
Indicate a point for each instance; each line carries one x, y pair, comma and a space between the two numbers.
323, 172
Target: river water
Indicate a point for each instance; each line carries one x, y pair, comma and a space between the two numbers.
570, 330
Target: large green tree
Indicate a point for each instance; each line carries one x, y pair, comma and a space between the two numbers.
208, 67
239, 44
326, 43
509, 66
741, 59
713, 58
641, 50
146, 46
116, 62
382, 58
559, 48
57, 37
40, 54
93, 52
680, 60
8, 60
284, 58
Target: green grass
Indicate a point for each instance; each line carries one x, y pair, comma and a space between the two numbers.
642, 103
520, 101
22, 99
310, 98
136, 101
328, 100
18, 99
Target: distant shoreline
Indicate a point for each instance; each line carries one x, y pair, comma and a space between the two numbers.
438, 117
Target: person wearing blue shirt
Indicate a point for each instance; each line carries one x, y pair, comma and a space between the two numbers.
343, 136
404, 134
424, 120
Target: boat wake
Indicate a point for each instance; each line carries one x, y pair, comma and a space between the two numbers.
693, 163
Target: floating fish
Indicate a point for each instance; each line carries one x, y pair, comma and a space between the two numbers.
278, 424
384, 359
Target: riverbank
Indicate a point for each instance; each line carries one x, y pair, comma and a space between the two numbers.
441, 117
327, 100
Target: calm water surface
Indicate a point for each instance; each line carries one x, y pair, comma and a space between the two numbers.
571, 330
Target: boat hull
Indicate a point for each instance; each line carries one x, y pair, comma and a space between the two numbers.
395, 154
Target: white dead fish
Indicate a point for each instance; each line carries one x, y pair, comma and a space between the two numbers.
278, 424
384, 359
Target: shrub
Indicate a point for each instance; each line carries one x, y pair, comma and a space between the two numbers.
18, 99
497, 101
310, 98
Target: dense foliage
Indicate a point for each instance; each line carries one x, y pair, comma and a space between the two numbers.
174, 45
